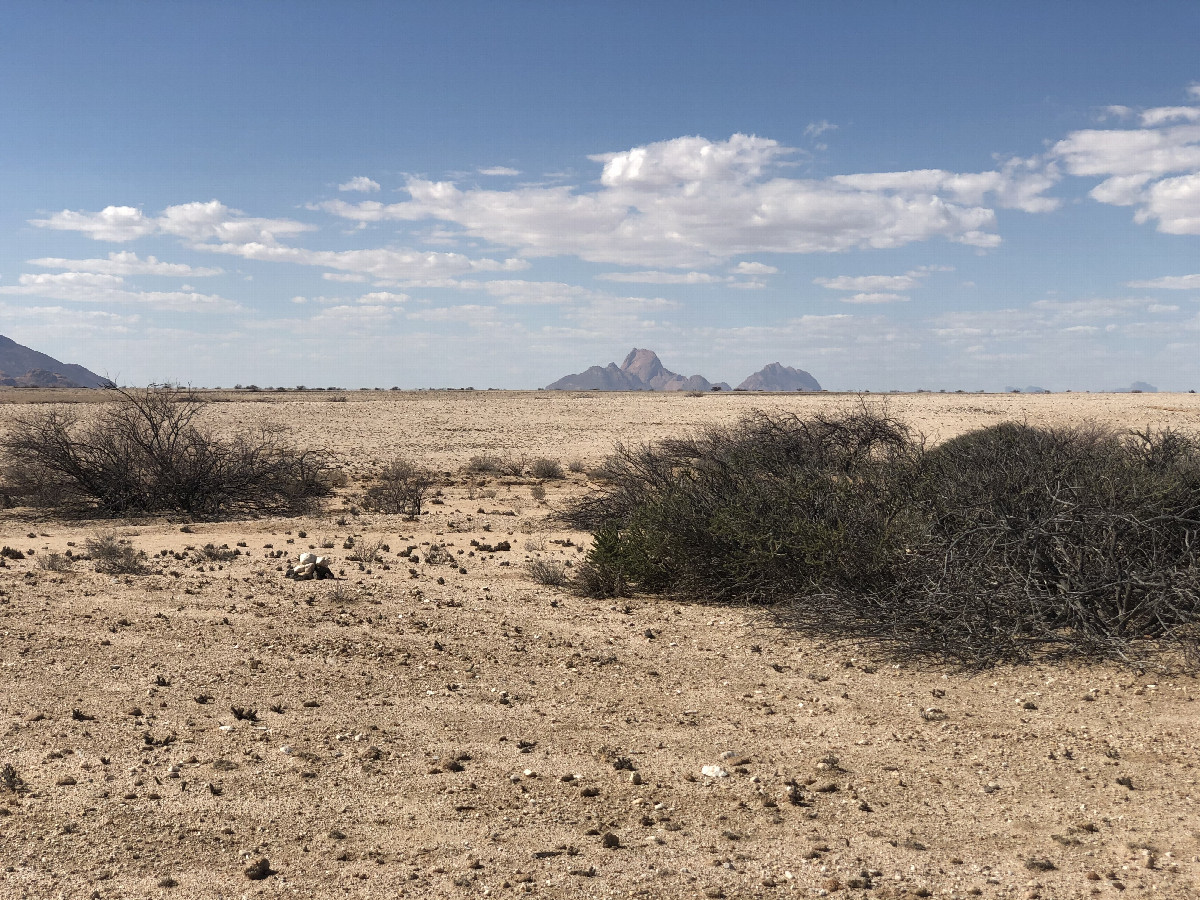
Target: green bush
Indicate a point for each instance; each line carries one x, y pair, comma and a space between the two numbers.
772, 507
1007, 543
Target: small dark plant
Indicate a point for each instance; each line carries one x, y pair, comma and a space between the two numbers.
112, 556
546, 469
11, 780
549, 572
399, 489
55, 562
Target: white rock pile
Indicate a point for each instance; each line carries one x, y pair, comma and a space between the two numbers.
309, 566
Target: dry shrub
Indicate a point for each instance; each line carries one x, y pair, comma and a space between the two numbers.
484, 465
399, 489
147, 452
368, 550
1007, 543
55, 562
549, 572
112, 556
546, 469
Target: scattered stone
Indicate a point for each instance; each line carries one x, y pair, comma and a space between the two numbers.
713, 772
610, 841
167, 882
66, 781
590, 792
635, 777
259, 870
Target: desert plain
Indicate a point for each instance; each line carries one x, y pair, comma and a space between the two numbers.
457, 729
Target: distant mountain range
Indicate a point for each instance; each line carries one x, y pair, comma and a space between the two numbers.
22, 367
643, 371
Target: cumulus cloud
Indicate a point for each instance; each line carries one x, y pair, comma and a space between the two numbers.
378, 263
1169, 283
657, 277
875, 297
1154, 168
198, 221
124, 263
94, 287
376, 298
113, 223
869, 282
754, 268
692, 202
499, 170
360, 183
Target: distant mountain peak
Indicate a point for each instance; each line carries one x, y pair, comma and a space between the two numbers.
21, 366
642, 370
778, 377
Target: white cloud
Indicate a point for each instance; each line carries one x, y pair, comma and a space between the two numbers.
816, 129
93, 287
1154, 117
113, 223
754, 268
378, 263
499, 170
471, 314
1175, 203
192, 221
657, 277
360, 183
343, 277
1169, 283
1154, 168
376, 298
694, 202
124, 263
515, 292
869, 282
875, 297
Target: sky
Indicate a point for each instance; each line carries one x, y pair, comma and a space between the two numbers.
923, 195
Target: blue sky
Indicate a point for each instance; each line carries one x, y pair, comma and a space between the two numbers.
917, 195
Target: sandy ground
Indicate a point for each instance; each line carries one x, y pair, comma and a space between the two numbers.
459, 730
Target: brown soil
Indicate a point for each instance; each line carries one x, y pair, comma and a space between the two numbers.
411, 729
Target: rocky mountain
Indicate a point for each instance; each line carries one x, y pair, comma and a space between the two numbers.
22, 367
776, 377
641, 371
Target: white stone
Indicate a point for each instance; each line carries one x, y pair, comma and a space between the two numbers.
714, 772
306, 558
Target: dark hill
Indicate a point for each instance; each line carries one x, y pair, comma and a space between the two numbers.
22, 367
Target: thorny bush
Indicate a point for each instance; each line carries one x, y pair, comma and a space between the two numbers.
149, 452
1007, 543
